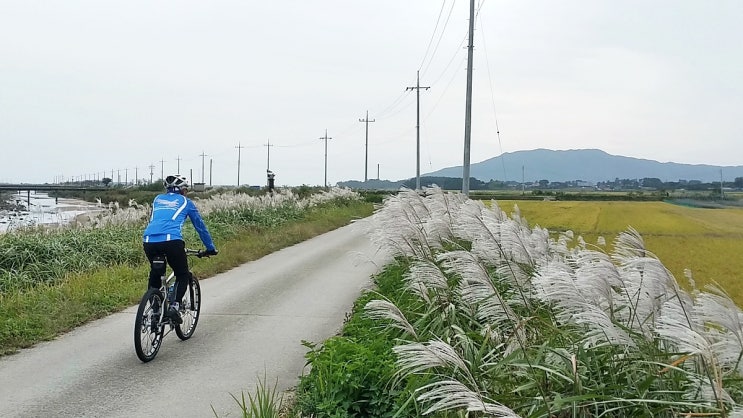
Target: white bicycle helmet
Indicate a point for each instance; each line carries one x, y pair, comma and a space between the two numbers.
177, 180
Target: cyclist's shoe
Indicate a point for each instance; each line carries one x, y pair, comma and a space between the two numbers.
174, 316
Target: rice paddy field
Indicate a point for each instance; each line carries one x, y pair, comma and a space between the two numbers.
706, 242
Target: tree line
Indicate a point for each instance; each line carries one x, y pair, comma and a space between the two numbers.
454, 183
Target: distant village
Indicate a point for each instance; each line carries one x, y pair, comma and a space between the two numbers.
452, 183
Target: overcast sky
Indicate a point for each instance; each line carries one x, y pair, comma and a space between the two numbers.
87, 87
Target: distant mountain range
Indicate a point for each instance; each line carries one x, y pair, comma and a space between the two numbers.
591, 165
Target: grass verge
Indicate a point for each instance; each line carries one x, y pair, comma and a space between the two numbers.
46, 311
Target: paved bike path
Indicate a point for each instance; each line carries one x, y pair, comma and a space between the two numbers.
254, 318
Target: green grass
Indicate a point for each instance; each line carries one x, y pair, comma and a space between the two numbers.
351, 373
43, 311
539, 337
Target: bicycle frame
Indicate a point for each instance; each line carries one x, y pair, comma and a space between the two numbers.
151, 324
165, 285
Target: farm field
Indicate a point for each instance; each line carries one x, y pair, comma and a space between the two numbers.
707, 242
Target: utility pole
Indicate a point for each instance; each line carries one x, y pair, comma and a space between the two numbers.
366, 152
268, 155
326, 156
417, 89
202, 166
162, 169
152, 167
239, 147
722, 194
468, 107
523, 181
179, 164
136, 176
126, 176
211, 166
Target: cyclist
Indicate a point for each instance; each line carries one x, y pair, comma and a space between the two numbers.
163, 237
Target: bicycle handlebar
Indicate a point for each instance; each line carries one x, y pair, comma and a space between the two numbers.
200, 253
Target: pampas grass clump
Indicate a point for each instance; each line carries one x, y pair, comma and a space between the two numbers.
516, 322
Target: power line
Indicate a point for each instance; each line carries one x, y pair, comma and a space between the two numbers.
492, 97
443, 93
440, 37
430, 41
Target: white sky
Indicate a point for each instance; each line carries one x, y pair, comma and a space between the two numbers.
90, 86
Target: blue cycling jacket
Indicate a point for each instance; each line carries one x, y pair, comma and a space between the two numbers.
169, 212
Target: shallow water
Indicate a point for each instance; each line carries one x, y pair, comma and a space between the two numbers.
40, 209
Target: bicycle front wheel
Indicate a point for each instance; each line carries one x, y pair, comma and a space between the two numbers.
148, 327
190, 310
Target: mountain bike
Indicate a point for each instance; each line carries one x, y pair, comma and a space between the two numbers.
151, 324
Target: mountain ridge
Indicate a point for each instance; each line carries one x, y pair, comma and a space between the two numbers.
590, 165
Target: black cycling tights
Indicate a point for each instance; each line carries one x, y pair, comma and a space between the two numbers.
175, 254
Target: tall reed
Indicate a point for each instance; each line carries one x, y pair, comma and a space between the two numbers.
113, 234
511, 322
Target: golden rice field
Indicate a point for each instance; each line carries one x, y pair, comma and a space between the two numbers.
707, 242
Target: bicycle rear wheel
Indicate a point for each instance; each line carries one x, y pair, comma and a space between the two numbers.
148, 327
190, 310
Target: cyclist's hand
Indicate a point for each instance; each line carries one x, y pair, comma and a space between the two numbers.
210, 252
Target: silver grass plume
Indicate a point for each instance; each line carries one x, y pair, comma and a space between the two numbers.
647, 282
597, 278
416, 358
467, 225
648, 285
629, 245
560, 249
443, 208
503, 243
493, 237
477, 289
425, 277
723, 326
700, 388
386, 310
601, 329
518, 276
398, 226
452, 394
686, 335
556, 284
